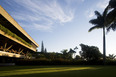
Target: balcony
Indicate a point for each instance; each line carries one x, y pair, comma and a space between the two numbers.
14, 39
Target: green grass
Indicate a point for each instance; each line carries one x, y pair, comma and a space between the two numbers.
58, 71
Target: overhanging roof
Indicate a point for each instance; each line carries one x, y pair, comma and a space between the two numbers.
15, 24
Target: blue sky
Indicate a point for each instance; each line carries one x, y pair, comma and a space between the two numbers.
61, 24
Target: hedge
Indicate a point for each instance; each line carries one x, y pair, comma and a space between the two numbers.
56, 62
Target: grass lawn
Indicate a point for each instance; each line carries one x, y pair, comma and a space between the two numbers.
58, 71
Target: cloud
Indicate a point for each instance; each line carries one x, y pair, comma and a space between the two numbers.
89, 13
73, 1
43, 27
43, 14
82, 0
102, 4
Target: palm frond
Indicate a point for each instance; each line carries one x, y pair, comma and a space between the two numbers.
93, 21
112, 3
98, 14
94, 27
112, 26
106, 11
98, 21
110, 17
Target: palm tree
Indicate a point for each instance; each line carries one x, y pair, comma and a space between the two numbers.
111, 16
99, 22
71, 52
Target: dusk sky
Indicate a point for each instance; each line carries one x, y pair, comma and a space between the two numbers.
60, 24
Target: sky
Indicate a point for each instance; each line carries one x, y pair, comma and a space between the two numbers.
61, 24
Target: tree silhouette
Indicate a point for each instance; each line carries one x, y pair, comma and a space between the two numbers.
75, 51
99, 22
111, 56
42, 48
65, 53
111, 16
76, 48
90, 52
71, 52
45, 50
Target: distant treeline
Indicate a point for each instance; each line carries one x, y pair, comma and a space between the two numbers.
89, 55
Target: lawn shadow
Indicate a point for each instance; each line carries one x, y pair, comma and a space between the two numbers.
11, 68
68, 72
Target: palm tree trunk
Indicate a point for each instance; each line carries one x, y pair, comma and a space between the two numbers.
104, 46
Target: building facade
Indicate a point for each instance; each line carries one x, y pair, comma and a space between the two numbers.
14, 40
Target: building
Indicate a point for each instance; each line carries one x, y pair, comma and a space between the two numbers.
14, 40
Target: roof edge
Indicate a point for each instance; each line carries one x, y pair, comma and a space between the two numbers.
15, 24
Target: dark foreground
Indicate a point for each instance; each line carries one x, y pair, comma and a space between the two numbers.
58, 71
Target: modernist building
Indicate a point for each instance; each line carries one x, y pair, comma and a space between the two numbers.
14, 40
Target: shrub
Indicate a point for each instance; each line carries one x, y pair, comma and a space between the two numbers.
44, 61
8, 32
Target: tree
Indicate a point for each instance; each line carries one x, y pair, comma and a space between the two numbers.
99, 22
81, 54
51, 55
111, 56
76, 48
45, 50
77, 57
71, 52
58, 55
90, 52
42, 48
111, 16
65, 53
